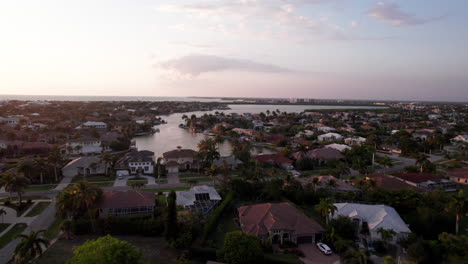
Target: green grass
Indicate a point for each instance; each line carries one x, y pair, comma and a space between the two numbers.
100, 178
225, 224
11, 234
38, 208
143, 181
161, 181
282, 258
161, 199
25, 198
104, 184
166, 189
24, 208
44, 187
190, 175
3, 227
201, 179
53, 230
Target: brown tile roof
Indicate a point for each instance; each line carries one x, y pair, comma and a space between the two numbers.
416, 177
273, 159
458, 173
179, 153
325, 154
126, 199
389, 183
260, 218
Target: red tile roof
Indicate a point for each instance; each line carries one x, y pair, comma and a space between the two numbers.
126, 199
259, 219
325, 154
273, 159
389, 183
458, 173
179, 153
417, 177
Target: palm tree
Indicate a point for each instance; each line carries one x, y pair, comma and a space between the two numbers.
105, 158
209, 150
355, 256
421, 160
29, 247
211, 171
26, 166
386, 162
331, 183
14, 183
342, 169
315, 182
6, 181
40, 165
77, 199
458, 204
55, 159
326, 208
386, 234
158, 166
2, 213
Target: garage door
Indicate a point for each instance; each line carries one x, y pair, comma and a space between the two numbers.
173, 169
304, 239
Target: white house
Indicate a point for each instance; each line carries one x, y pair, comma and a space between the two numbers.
339, 147
3, 144
305, 133
352, 141
330, 137
375, 216
326, 129
201, 198
92, 124
136, 162
460, 139
84, 145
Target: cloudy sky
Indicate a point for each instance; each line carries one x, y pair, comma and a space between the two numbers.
351, 49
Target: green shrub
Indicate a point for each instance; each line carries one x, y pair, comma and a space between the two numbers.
215, 215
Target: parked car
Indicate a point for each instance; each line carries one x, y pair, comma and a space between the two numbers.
324, 248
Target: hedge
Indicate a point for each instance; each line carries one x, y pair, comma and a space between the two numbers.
133, 225
214, 217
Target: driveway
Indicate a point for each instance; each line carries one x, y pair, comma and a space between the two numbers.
173, 177
315, 256
121, 182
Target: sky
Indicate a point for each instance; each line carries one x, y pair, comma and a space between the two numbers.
346, 49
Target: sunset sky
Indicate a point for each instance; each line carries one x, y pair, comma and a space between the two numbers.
350, 49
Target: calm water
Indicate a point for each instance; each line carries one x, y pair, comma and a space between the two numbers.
171, 135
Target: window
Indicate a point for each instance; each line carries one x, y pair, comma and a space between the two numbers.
146, 168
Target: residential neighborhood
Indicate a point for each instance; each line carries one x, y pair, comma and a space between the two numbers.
385, 184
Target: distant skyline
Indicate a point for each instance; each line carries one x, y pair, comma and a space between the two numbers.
382, 50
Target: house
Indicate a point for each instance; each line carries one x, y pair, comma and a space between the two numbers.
375, 217
459, 175
201, 199
244, 131
92, 124
3, 144
180, 159
305, 133
136, 162
257, 125
320, 154
339, 147
390, 183
274, 160
460, 139
19, 147
84, 145
326, 129
126, 203
353, 141
279, 222
323, 183
426, 181
84, 166
330, 137
231, 162
422, 134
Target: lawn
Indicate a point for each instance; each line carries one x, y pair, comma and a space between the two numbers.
282, 258
3, 227
161, 181
38, 208
43, 187
166, 189
53, 229
100, 178
143, 181
25, 198
12, 233
225, 225
25, 206
191, 175
201, 179
153, 249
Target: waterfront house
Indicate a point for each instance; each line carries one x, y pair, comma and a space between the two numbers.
279, 222
180, 159
136, 162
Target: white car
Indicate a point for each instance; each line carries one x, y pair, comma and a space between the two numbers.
324, 248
